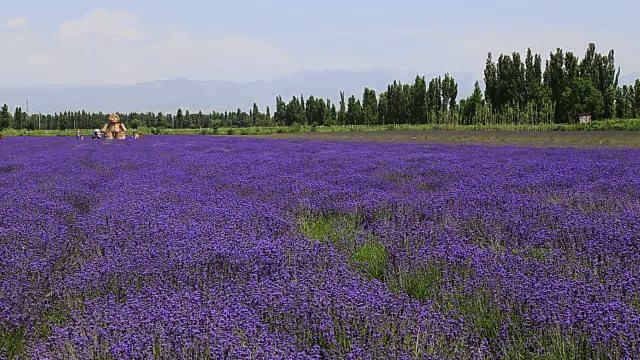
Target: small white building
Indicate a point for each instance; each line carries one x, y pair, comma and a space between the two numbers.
584, 118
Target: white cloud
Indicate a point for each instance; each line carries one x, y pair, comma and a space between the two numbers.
103, 22
107, 47
16, 22
218, 53
116, 46
435, 50
475, 46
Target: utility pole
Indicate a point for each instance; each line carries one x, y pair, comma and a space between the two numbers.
39, 116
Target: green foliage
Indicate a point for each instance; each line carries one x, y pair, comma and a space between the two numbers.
491, 82
472, 106
517, 93
6, 120
423, 283
434, 100
316, 111
369, 107
18, 118
371, 258
295, 112
606, 125
342, 113
333, 228
485, 315
11, 343
354, 111
483, 125
383, 109
449, 93
419, 100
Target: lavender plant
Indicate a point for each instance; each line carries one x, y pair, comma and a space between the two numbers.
200, 247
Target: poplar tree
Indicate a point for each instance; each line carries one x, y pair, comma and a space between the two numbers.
342, 113
5, 117
370, 107
419, 103
382, 108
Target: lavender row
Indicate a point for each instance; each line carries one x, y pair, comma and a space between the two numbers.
183, 247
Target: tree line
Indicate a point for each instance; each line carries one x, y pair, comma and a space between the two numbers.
516, 91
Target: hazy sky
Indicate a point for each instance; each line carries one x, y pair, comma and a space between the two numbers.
118, 41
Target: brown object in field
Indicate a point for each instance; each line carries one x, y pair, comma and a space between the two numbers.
114, 129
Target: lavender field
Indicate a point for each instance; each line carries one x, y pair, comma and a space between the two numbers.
175, 247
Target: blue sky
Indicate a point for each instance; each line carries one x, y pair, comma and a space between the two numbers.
93, 42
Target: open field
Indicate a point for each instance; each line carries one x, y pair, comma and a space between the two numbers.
614, 132
581, 139
173, 247
409, 134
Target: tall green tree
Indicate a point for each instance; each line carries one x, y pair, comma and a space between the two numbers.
255, 114
517, 83
370, 107
186, 123
533, 79
507, 94
419, 100
179, 120
280, 115
394, 103
342, 113
554, 79
332, 114
434, 100
472, 104
491, 81
405, 104
636, 99
18, 121
295, 113
5, 117
316, 111
624, 102
354, 111
449, 93
382, 108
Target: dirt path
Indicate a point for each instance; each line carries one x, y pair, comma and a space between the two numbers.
588, 139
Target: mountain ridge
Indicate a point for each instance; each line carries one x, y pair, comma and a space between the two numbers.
167, 95
629, 79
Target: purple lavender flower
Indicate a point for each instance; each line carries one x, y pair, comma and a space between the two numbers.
183, 247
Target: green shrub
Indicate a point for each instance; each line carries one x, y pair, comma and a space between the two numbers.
372, 258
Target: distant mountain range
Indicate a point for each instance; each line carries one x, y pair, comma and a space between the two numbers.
195, 95
629, 79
